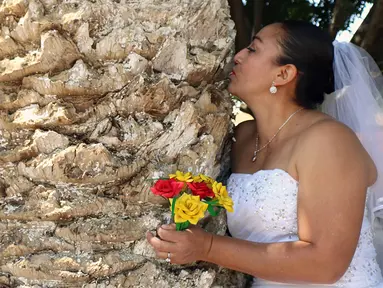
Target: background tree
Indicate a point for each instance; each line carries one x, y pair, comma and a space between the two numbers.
370, 33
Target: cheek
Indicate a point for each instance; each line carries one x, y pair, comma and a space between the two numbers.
257, 79
254, 78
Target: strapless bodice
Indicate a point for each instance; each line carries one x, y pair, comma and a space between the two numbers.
265, 211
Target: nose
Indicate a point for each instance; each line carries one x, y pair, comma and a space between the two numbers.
236, 58
239, 57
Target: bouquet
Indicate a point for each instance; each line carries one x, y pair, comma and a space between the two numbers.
190, 196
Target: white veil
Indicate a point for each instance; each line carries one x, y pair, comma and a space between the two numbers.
358, 103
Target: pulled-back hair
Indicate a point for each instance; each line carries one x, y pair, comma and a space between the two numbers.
311, 51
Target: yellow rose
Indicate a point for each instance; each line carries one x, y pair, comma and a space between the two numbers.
179, 176
203, 178
222, 196
189, 208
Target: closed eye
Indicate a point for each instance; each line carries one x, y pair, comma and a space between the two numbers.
251, 49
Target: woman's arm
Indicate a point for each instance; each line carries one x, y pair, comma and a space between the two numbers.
334, 172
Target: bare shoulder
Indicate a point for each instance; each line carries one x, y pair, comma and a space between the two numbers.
330, 134
333, 144
329, 129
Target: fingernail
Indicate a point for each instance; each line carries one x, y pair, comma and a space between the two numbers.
165, 226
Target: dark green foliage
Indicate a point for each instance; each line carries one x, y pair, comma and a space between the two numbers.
319, 13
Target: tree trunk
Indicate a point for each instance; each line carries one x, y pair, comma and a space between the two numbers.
370, 34
238, 15
375, 29
258, 13
341, 13
96, 98
363, 28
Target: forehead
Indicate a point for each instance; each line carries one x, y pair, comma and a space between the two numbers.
268, 38
269, 35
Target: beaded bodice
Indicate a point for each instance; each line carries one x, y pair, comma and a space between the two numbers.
265, 210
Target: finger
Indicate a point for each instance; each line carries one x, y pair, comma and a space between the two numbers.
194, 228
164, 255
149, 236
169, 226
169, 235
160, 245
191, 227
153, 240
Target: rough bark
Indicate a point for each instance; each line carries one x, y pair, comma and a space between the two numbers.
97, 97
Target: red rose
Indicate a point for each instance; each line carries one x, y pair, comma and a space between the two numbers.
167, 188
201, 190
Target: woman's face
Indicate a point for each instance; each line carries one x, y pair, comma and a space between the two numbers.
256, 67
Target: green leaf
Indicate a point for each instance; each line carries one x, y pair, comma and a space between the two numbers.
185, 225
173, 205
212, 211
182, 226
211, 202
155, 179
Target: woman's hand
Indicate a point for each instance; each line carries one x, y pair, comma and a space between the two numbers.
184, 247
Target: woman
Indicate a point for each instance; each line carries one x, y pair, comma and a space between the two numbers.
300, 178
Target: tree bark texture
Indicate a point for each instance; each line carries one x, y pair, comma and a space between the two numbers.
98, 97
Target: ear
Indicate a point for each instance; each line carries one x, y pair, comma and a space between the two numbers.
286, 74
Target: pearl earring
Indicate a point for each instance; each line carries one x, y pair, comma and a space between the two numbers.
273, 89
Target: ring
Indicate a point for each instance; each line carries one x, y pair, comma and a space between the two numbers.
168, 259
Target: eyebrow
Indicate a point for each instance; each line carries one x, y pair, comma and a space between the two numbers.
258, 38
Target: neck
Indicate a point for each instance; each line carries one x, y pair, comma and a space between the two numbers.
271, 117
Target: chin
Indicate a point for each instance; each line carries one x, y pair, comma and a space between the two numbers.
231, 89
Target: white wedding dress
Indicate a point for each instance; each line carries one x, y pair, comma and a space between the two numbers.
265, 211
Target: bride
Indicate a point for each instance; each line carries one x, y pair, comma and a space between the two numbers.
300, 177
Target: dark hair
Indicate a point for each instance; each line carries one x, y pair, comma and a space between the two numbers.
311, 50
